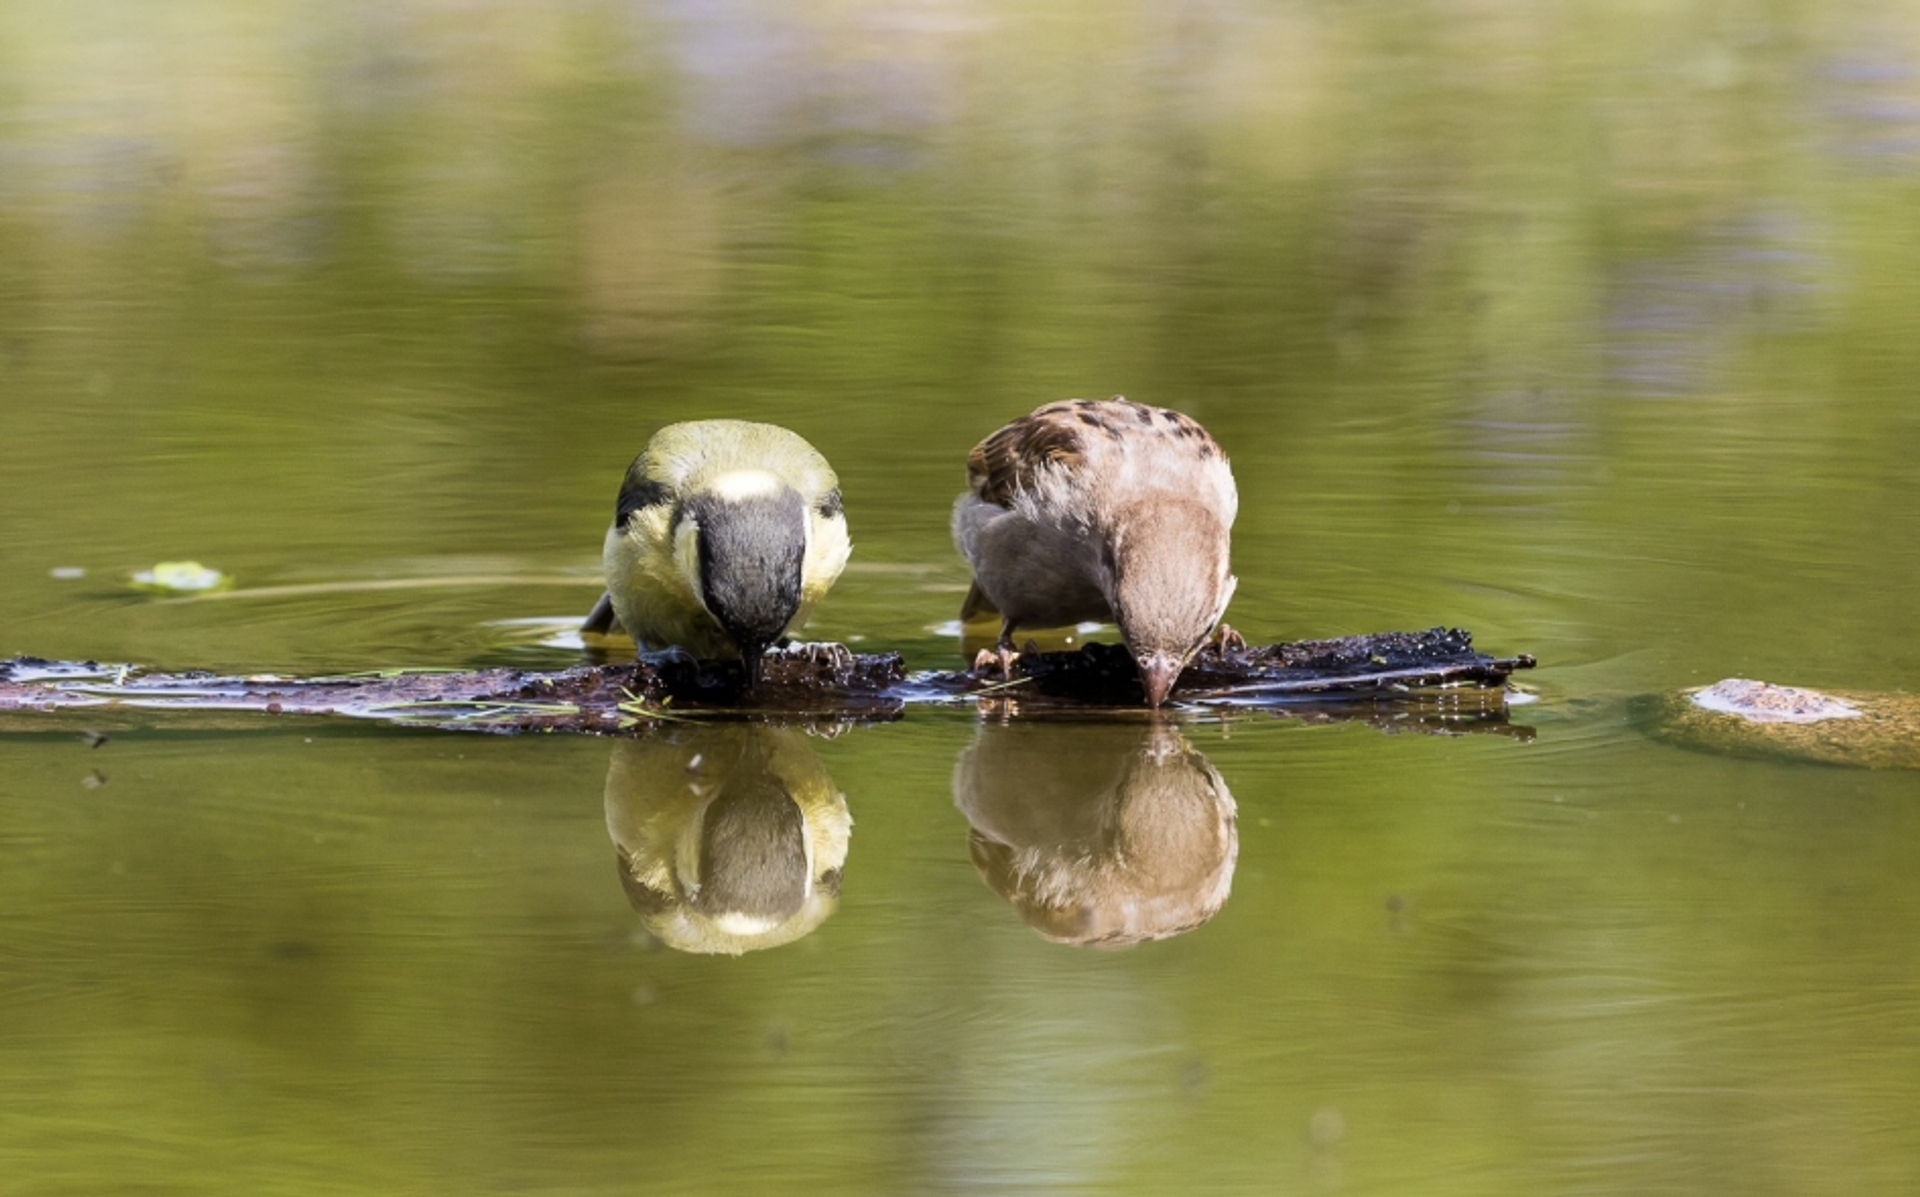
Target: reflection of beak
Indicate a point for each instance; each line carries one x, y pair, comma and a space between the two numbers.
1158, 672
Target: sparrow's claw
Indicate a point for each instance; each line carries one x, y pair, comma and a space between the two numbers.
999, 658
1229, 640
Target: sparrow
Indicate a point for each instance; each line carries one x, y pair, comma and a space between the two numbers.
1098, 834
1107, 510
728, 838
724, 535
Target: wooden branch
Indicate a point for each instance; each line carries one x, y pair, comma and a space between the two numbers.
800, 684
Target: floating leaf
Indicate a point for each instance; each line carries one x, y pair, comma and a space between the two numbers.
181, 577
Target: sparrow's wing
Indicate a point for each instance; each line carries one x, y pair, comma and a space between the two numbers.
1005, 463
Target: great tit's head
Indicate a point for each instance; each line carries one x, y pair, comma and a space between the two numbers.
747, 542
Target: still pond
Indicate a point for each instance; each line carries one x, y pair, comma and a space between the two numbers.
1593, 328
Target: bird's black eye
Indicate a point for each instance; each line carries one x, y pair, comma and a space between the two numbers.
638, 495
829, 504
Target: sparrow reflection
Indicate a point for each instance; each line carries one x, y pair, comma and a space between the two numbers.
1098, 834
730, 838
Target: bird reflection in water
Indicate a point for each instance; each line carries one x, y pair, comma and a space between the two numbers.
1098, 835
729, 839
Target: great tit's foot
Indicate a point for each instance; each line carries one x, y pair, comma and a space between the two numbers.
674, 666
826, 659
670, 657
824, 654
1229, 640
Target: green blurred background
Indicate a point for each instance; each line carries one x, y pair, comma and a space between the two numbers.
1592, 327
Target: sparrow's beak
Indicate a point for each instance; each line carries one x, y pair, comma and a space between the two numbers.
1158, 672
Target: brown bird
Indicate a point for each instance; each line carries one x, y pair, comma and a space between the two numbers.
1098, 834
1101, 510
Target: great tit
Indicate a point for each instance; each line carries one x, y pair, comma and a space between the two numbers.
724, 535
729, 837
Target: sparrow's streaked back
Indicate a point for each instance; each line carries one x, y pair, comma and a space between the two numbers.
724, 535
1102, 510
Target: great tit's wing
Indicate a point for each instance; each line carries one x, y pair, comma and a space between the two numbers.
601, 621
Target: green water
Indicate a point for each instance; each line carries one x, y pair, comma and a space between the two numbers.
1591, 327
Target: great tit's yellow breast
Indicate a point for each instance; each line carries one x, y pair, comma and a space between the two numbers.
653, 575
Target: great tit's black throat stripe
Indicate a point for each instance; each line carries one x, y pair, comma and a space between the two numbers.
751, 553
638, 494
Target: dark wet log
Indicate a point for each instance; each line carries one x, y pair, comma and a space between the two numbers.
805, 683
1385, 664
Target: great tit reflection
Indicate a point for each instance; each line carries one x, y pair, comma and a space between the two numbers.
1098, 834
729, 839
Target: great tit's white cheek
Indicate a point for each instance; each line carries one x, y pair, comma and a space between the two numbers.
827, 551
686, 556
646, 527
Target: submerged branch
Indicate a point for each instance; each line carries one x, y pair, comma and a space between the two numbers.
1424, 675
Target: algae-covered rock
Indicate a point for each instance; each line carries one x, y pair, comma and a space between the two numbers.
1753, 718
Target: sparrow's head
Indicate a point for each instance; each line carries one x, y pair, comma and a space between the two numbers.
742, 543
1170, 585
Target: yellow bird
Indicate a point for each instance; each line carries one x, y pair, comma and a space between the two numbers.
729, 838
724, 536
1101, 510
